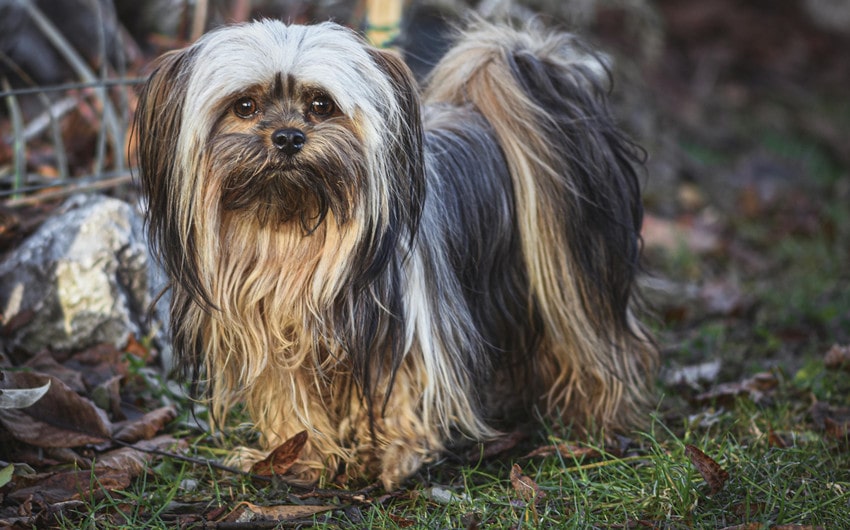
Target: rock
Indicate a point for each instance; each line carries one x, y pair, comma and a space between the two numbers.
85, 277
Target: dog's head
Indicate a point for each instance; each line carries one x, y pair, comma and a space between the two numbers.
287, 127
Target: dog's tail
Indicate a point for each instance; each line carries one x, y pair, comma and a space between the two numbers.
579, 212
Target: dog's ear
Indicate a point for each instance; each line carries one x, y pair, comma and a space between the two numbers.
405, 159
401, 163
158, 120
377, 266
157, 125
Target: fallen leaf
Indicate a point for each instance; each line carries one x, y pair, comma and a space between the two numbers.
282, 458
45, 363
245, 512
145, 427
400, 521
61, 418
774, 440
755, 388
696, 236
564, 449
107, 396
136, 348
694, 375
99, 363
524, 486
112, 471
714, 475
837, 357
19, 398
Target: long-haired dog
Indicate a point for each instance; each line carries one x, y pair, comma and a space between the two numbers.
388, 269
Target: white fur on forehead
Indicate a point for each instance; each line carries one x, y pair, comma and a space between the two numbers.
231, 59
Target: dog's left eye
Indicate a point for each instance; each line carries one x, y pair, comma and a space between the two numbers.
322, 106
245, 107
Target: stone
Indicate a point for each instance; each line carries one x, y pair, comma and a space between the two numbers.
85, 277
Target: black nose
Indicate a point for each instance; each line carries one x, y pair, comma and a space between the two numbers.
290, 141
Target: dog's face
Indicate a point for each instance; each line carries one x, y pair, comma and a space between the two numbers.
280, 123
285, 151
281, 127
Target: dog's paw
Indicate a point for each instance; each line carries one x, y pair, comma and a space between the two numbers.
243, 458
399, 461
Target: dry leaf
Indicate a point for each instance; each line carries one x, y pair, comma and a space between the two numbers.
282, 458
400, 521
774, 440
114, 470
837, 357
107, 396
246, 512
714, 475
145, 427
20, 398
43, 362
524, 486
136, 348
61, 418
755, 388
565, 449
696, 236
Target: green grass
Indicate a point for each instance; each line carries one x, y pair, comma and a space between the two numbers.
654, 482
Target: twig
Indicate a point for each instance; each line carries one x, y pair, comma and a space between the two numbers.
356, 495
51, 113
603, 463
197, 461
61, 158
69, 189
98, 83
310, 492
17, 125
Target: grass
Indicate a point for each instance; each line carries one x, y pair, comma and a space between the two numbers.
653, 482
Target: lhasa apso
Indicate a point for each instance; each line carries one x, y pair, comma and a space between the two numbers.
394, 270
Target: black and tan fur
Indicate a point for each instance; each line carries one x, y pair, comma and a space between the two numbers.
426, 267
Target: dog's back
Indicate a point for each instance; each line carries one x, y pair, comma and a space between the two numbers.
578, 214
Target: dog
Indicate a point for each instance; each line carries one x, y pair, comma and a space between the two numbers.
395, 270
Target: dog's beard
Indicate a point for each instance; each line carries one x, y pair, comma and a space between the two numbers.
273, 188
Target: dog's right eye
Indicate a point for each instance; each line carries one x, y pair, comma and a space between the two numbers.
245, 107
